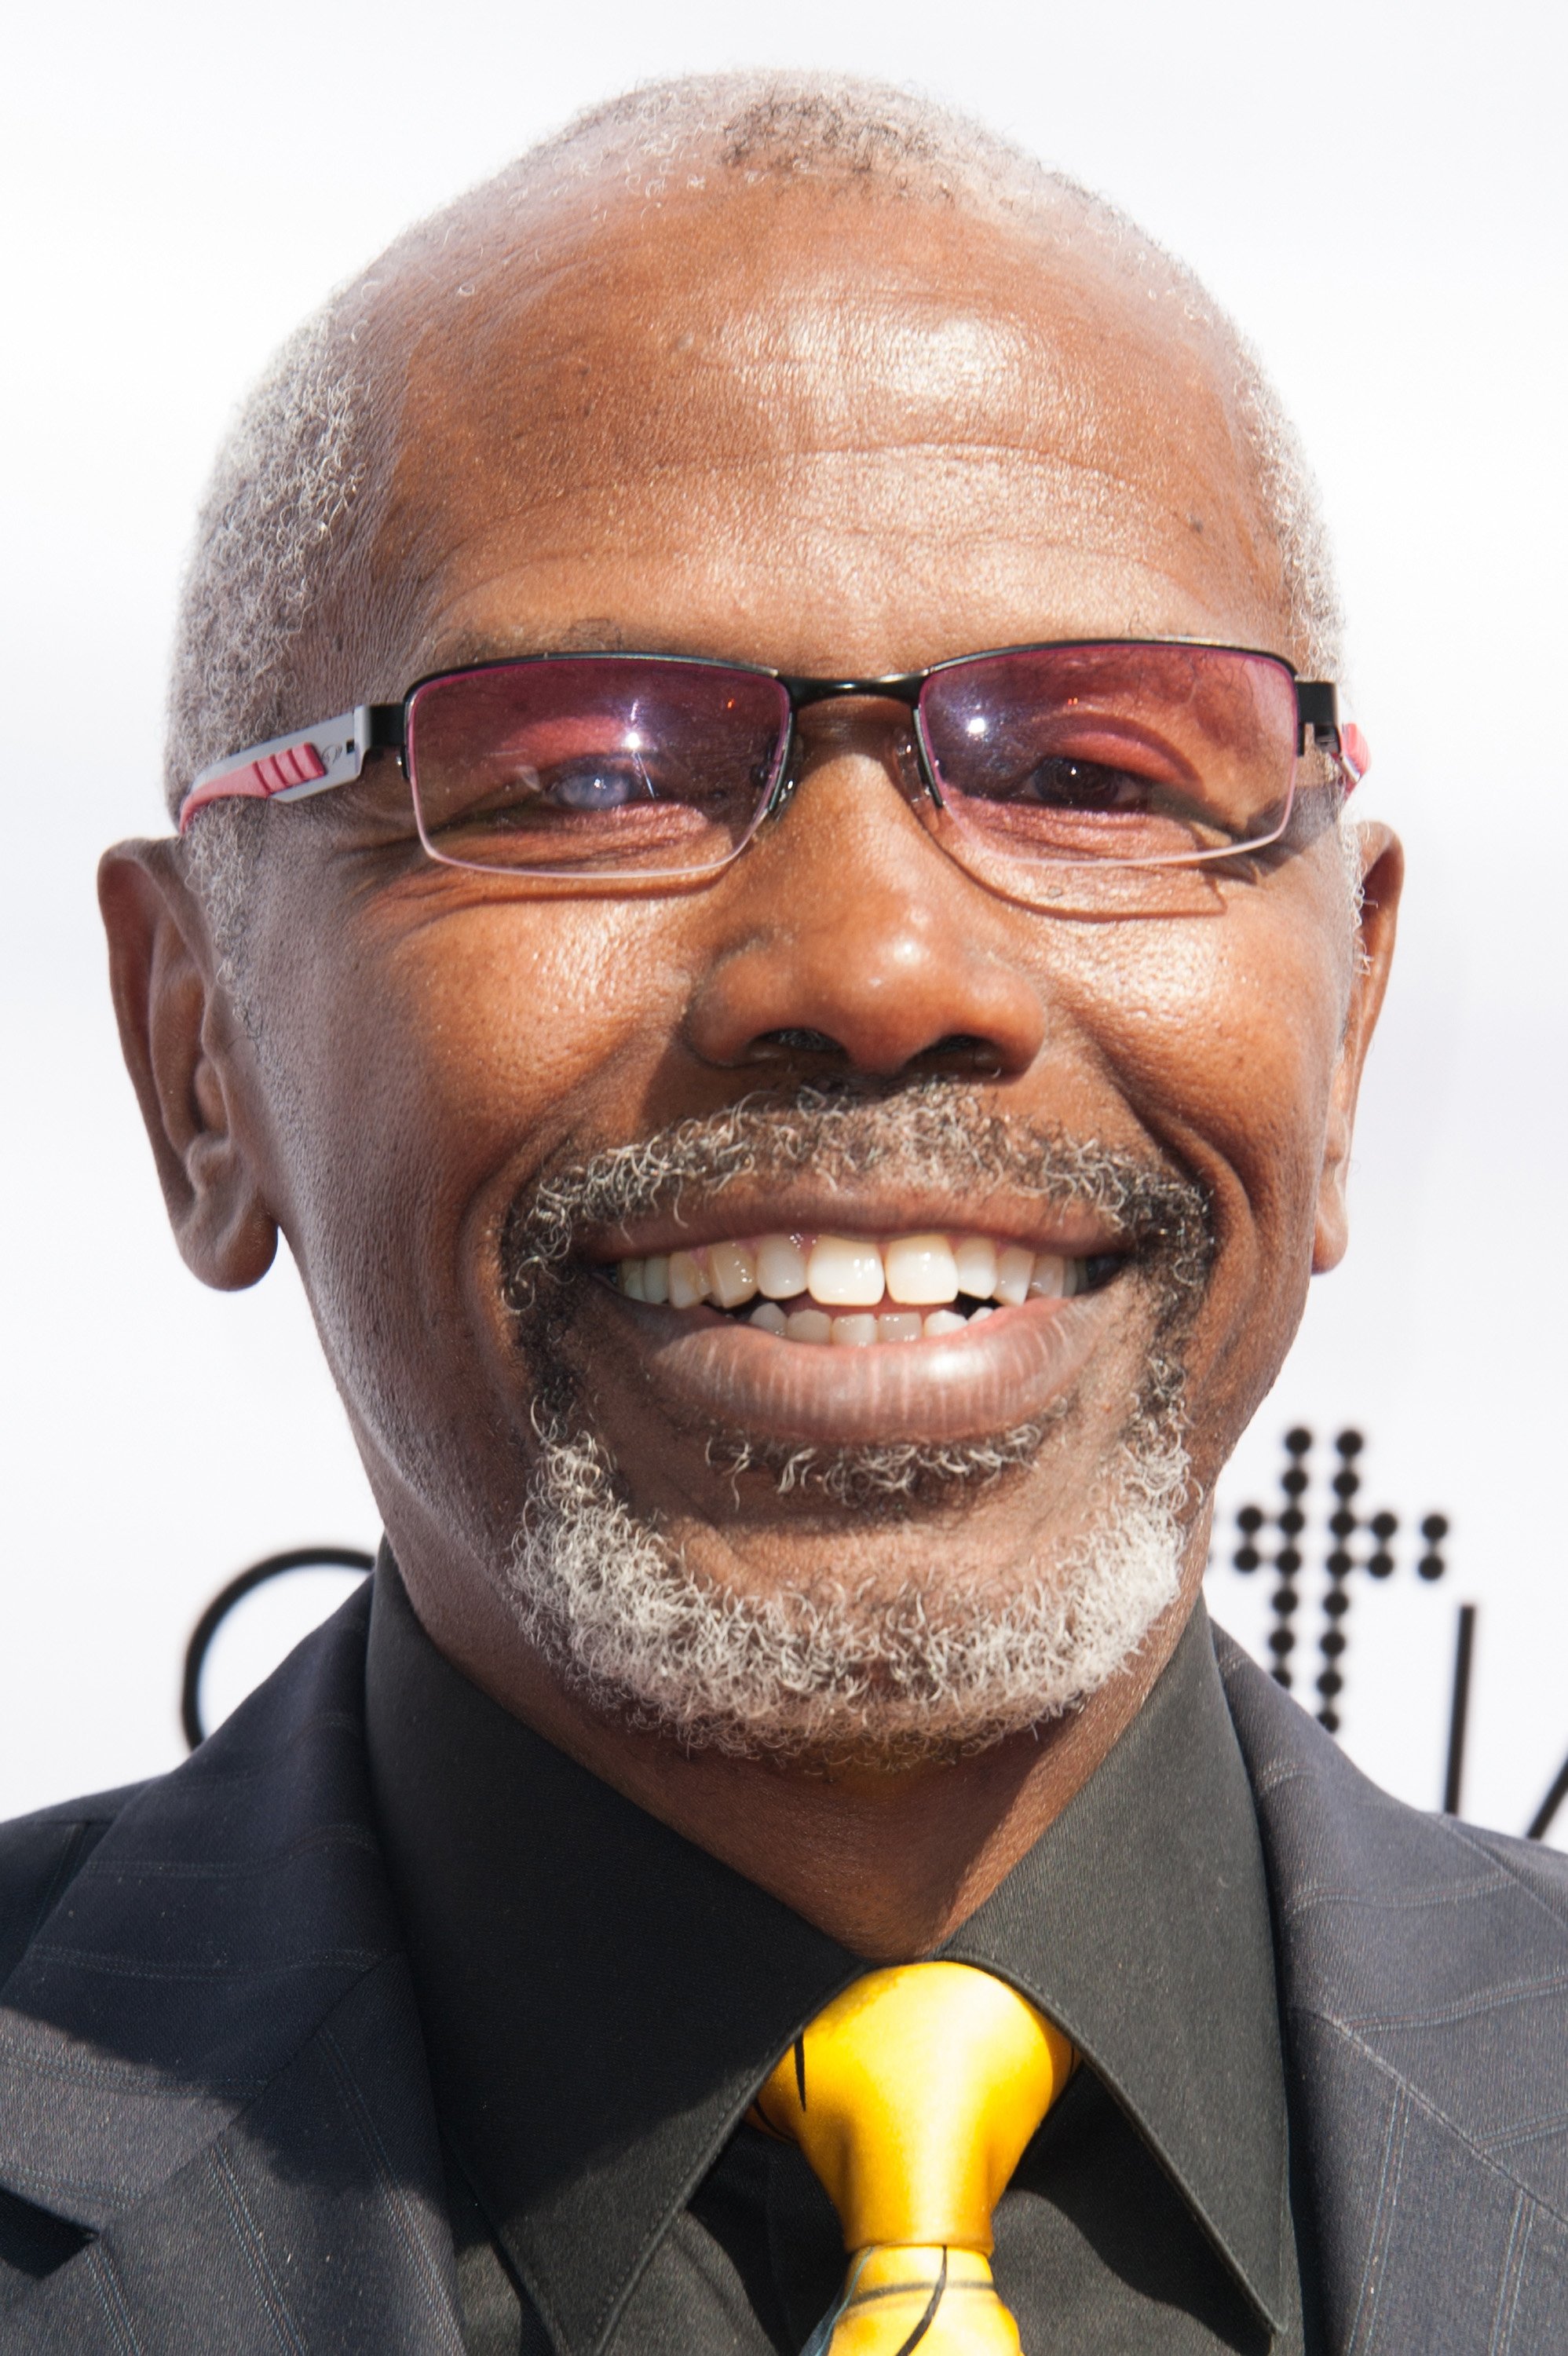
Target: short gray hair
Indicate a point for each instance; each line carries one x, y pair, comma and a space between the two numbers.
298, 488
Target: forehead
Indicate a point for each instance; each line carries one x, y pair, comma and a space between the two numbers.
755, 416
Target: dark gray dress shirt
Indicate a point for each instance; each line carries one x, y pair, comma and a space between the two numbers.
600, 2001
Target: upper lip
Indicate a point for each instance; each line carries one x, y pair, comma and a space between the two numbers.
749, 1209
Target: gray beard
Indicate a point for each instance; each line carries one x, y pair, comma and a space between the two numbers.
933, 1665
826, 1670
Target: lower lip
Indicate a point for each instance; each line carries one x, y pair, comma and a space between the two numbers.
1008, 1369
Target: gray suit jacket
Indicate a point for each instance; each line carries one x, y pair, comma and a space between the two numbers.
210, 2059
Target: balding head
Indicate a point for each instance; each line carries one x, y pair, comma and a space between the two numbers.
826, 262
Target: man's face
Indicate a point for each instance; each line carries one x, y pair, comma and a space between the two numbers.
838, 435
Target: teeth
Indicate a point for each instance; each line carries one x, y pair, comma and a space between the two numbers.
974, 1262
732, 1271
1015, 1268
687, 1282
921, 1270
781, 1268
844, 1274
854, 1333
902, 1325
826, 1287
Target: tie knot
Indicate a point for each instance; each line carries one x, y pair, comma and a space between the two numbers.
913, 2094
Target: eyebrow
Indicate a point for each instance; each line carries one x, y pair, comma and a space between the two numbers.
589, 635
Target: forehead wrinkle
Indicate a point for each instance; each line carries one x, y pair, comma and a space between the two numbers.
872, 620
783, 474
698, 416
554, 464
1057, 382
1075, 504
829, 331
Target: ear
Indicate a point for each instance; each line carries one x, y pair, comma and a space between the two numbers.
186, 1054
1382, 874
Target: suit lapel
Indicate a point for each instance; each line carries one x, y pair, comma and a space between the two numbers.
209, 2056
1423, 1978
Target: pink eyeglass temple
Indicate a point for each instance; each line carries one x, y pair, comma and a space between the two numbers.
332, 753
286, 768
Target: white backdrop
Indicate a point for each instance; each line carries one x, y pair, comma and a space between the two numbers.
1375, 189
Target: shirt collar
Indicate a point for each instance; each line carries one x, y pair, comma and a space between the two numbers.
1140, 1923
600, 1998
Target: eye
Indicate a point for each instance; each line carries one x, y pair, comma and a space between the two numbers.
598, 784
1060, 783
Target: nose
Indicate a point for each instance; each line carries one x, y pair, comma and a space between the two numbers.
846, 933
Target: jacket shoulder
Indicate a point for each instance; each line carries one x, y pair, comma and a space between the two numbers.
1427, 1955
156, 1864
1343, 1851
147, 1922
1423, 1998
40, 1857
1537, 1868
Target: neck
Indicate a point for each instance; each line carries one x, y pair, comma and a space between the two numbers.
889, 1862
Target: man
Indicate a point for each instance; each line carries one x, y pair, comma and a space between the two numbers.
806, 1136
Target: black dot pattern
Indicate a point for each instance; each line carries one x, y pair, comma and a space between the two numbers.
1319, 1520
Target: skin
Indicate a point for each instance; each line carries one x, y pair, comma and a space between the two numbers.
759, 422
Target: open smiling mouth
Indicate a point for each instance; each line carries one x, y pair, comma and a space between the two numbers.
859, 1291
837, 1276
820, 1336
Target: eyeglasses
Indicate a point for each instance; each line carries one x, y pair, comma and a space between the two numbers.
613, 771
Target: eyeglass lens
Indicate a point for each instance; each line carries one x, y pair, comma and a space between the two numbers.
585, 765
1117, 755
1132, 755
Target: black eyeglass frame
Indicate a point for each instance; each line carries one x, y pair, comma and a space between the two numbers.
331, 753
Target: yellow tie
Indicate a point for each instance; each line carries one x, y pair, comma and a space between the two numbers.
913, 2095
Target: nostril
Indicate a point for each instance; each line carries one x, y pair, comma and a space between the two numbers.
956, 1046
801, 1043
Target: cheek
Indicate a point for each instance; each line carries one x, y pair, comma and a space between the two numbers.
1222, 1037
1224, 1045
460, 1053
1252, 1032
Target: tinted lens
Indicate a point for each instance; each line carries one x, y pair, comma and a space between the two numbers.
1136, 755
594, 764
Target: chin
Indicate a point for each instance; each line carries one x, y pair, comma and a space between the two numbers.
841, 1662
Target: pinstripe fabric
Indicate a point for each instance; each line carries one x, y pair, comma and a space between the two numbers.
1425, 1995
209, 2055
212, 2068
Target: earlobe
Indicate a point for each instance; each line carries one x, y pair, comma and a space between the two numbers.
183, 1052
1382, 870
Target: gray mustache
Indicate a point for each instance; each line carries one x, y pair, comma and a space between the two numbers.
930, 1131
